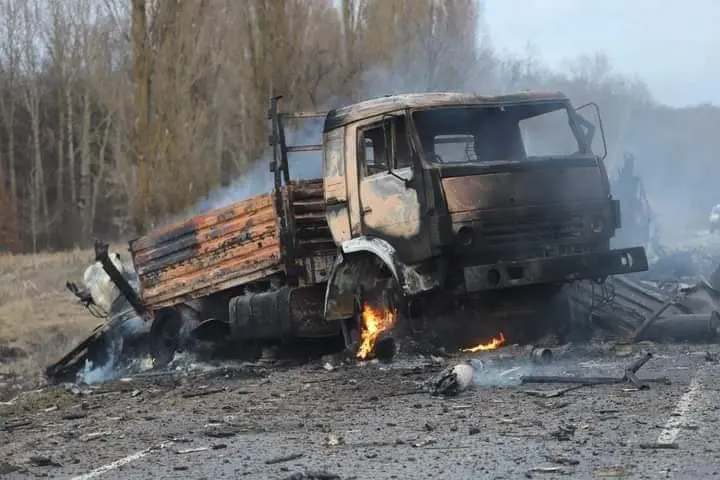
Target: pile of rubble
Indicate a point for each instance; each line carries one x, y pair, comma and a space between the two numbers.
652, 305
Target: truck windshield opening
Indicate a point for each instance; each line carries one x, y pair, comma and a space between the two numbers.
510, 133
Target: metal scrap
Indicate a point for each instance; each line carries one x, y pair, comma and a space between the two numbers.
284, 458
202, 393
541, 355
629, 376
636, 310
313, 476
453, 380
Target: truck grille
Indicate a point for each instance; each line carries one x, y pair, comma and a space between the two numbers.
527, 232
531, 228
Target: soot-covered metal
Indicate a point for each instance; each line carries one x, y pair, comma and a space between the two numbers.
211, 252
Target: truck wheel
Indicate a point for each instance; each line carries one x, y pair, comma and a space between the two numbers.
165, 336
383, 296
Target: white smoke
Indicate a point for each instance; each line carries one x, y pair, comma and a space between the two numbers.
259, 179
123, 324
102, 289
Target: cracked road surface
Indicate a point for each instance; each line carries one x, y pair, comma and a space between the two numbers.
370, 422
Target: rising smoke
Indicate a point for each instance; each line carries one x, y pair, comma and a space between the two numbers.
259, 179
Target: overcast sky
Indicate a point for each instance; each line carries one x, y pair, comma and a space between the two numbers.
673, 45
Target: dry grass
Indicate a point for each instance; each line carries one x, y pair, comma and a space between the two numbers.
39, 318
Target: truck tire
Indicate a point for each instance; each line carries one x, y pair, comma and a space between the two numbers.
384, 296
165, 335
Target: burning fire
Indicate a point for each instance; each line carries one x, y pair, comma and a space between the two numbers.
374, 321
491, 345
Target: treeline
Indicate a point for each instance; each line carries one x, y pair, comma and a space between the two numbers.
118, 114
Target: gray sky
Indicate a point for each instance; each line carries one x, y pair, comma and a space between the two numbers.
673, 45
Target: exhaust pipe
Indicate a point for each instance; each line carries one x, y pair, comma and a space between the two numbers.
541, 355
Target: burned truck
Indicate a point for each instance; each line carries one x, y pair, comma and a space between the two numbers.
429, 203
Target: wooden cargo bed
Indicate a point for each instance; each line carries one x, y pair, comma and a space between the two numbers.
229, 246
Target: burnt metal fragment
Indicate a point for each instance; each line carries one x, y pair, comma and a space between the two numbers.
453, 380
541, 355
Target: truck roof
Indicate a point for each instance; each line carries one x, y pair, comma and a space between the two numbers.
339, 117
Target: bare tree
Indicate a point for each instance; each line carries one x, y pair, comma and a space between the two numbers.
11, 48
117, 114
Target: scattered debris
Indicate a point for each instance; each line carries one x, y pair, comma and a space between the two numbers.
453, 380
617, 471
659, 446
192, 450
221, 431
333, 440
564, 433
424, 442
10, 426
313, 476
285, 458
546, 470
43, 461
74, 416
636, 310
628, 377
202, 393
94, 436
563, 461
541, 355
553, 393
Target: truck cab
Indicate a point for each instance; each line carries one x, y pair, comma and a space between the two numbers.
466, 193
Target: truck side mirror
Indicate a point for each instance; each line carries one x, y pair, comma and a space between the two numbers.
590, 126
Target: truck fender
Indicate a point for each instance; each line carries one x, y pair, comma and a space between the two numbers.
359, 253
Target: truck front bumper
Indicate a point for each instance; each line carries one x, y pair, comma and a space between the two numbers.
554, 270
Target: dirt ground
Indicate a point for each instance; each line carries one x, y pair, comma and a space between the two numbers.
372, 422
39, 318
368, 421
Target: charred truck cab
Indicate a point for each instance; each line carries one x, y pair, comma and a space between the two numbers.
428, 203
464, 196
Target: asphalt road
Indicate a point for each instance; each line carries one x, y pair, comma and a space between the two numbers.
370, 422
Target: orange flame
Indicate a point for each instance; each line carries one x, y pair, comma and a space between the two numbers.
491, 345
374, 321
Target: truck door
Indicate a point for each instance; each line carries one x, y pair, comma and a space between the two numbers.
391, 188
335, 186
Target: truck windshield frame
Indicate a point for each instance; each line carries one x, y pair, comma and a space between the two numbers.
513, 133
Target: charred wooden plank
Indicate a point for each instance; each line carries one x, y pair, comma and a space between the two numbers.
214, 251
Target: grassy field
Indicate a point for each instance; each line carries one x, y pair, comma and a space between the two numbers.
39, 318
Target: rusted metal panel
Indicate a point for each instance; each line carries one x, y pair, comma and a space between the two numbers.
211, 252
370, 108
503, 190
390, 209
